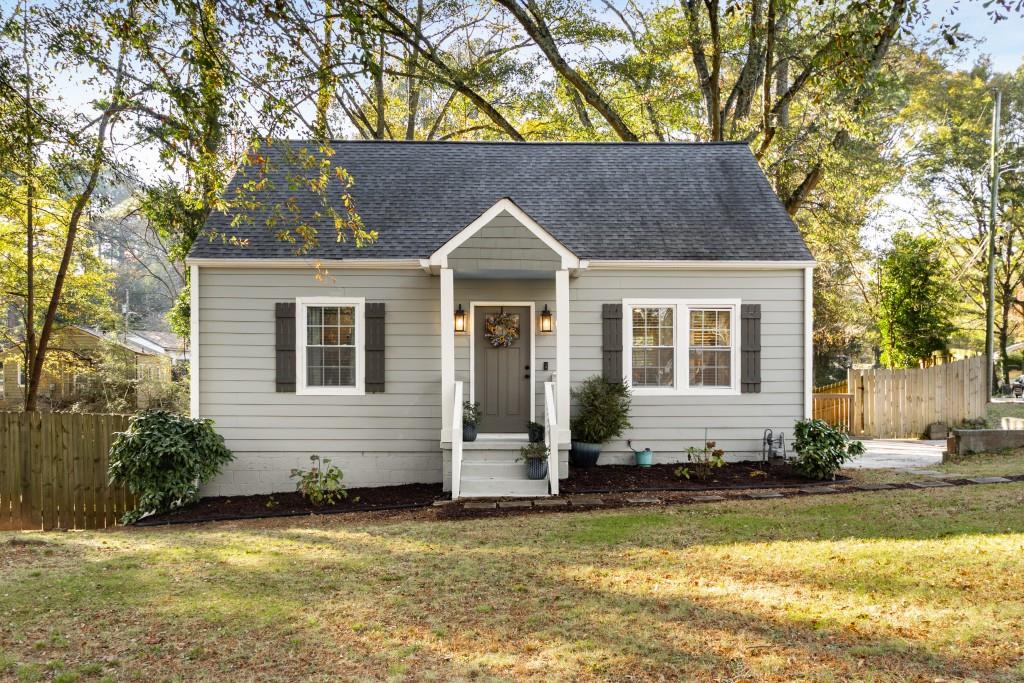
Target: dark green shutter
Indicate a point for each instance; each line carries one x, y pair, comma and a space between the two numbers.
750, 348
611, 342
374, 377
284, 333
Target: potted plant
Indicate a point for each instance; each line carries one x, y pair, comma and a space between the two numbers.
602, 414
470, 419
536, 457
535, 430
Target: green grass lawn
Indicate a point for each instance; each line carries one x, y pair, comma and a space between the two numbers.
885, 586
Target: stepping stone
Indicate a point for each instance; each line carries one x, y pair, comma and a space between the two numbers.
706, 499
550, 502
515, 504
988, 480
480, 505
586, 500
874, 487
439, 503
929, 484
763, 494
819, 489
932, 473
643, 501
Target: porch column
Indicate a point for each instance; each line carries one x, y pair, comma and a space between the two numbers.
447, 352
562, 354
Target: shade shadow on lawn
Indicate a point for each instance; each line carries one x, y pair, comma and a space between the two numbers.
745, 589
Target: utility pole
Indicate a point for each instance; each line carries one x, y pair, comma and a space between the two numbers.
990, 317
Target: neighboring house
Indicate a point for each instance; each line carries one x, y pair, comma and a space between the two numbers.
71, 351
164, 343
673, 266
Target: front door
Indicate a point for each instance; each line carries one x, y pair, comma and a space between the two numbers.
501, 372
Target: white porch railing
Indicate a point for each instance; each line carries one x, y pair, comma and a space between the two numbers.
456, 440
551, 435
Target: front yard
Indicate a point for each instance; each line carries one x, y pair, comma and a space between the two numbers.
883, 586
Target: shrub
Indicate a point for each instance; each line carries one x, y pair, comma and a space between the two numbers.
471, 413
164, 458
703, 460
602, 410
321, 484
822, 449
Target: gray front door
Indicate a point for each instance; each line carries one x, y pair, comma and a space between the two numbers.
501, 374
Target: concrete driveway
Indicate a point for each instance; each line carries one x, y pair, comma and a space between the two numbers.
899, 453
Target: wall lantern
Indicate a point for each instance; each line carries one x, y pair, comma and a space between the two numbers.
460, 321
546, 324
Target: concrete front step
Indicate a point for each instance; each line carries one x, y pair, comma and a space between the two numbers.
498, 487
494, 469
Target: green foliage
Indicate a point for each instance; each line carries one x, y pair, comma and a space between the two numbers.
822, 449
704, 460
164, 458
602, 410
534, 451
321, 484
915, 300
471, 413
535, 431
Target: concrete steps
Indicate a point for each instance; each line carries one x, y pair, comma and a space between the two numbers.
490, 470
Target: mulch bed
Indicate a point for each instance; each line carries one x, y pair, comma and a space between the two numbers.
733, 475
291, 503
619, 479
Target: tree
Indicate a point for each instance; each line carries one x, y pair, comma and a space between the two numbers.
915, 300
948, 120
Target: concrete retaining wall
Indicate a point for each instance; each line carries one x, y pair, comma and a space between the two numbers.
965, 441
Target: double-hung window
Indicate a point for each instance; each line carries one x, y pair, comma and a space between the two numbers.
681, 346
329, 345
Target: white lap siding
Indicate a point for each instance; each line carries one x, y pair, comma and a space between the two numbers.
377, 438
668, 424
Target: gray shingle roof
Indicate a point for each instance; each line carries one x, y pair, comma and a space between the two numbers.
602, 200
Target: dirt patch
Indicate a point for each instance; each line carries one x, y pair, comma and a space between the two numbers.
733, 475
292, 503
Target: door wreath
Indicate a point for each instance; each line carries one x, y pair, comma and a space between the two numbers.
501, 330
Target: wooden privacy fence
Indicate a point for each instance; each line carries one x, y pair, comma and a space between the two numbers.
833, 407
895, 404
53, 471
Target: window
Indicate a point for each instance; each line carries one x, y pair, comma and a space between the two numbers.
708, 350
21, 375
710, 347
653, 346
329, 346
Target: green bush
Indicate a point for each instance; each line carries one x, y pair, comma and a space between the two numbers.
164, 458
533, 451
321, 484
602, 410
471, 413
822, 449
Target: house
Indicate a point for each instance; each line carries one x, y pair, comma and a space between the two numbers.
673, 266
160, 342
72, 352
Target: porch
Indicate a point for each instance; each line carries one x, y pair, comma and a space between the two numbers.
505, 339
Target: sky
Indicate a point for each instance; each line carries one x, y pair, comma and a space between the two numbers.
1002, 41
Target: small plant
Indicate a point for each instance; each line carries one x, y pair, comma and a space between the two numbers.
271, 503
535, 430
602, 410
704, 460
321, 484
822, 449
533, 451
471, 413
163, 458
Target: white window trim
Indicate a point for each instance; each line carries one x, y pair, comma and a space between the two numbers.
681, 336
301, 304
